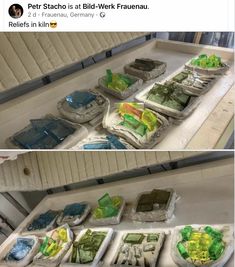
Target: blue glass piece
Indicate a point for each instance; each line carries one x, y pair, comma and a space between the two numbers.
32, 139
42, 221
74, 209
56, 128
103, 145
44, 134
20, 249
80, 99
116, 142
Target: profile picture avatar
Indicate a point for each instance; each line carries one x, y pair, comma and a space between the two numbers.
15, 11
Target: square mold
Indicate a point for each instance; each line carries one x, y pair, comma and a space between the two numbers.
99, 252
78, 133
184, 246
207, 71
53, 261
42, 223
192, 83
11, 255
74, 214
109, 220
139, 248
154, 206
93, 104
176, 114
158, 69
124, 94
111, 123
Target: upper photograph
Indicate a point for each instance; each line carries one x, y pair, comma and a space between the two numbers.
117, 90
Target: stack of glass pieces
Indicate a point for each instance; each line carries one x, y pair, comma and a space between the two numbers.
44, 133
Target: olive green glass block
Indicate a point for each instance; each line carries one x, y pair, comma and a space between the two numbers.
152, 237
180, 77
169, 95
146, 201
134, 238
85, 250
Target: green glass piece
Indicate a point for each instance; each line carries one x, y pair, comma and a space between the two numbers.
74, 254
86, 256
169, 95
204, 61
216, 249
85, 250
182, 250
180, 77
108, 207
117, 82
131, 123
152, 237
202, 246
134, 238
213, 232
105, 200
44, 245
186, 232
149, 119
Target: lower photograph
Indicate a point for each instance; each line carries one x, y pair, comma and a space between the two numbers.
130, 208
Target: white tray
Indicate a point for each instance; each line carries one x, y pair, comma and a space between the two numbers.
42, 260
111, 123
27, 259
109, 220
76, 220
146, 75
227, 238
156, 215
96, 262
126, 93
177, 115
77, 115
154, 254
80, 133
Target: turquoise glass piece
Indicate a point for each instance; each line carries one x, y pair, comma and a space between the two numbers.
80, 99
56, 128
32, 139
116, 142
42, 221
112, 143
20, 250
94, 146
44, 134
75, 209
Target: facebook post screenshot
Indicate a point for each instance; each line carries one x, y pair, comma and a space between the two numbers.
117, 133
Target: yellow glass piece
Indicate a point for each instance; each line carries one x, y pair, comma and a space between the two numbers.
51, 248
55, 251
195, 236
63, 234
149, 119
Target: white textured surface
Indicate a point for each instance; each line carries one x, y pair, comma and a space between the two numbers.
206, 197
26, 56
53, 169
